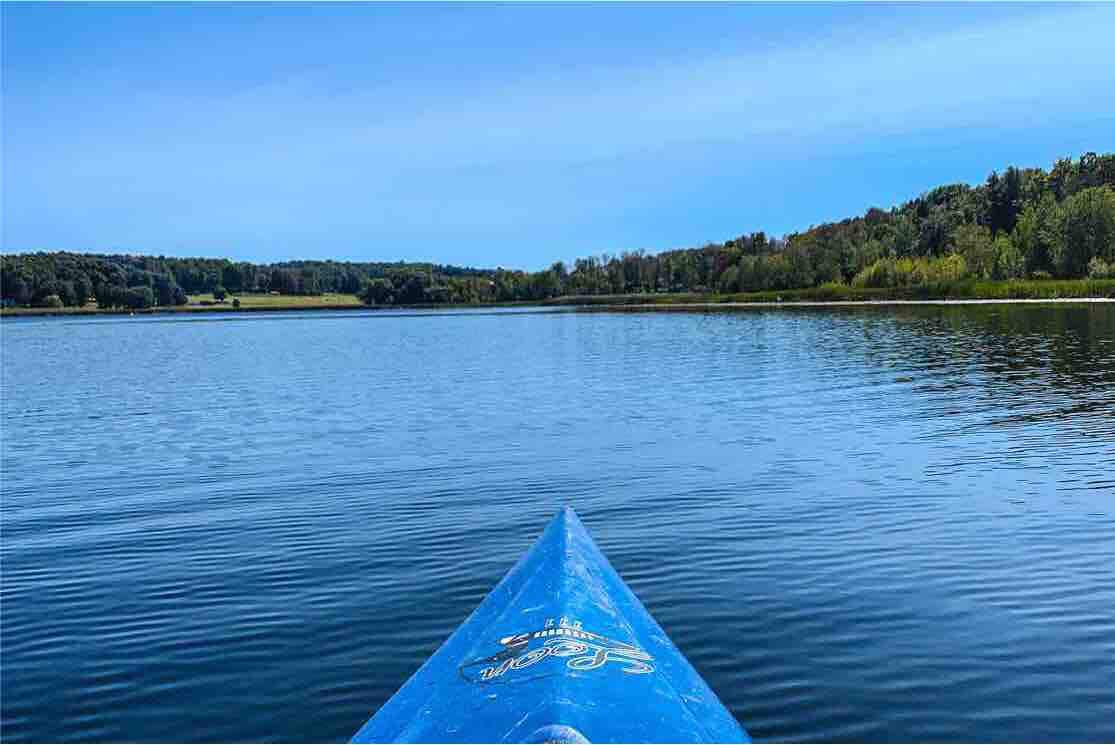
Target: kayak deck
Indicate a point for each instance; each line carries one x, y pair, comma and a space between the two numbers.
561, 650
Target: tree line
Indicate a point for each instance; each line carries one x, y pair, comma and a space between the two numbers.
1023, 222
62, 279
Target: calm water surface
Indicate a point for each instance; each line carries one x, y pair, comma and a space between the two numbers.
874, 524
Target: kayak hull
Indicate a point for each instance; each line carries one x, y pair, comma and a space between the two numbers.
561, 650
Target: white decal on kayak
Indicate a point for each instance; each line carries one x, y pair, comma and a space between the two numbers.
582, 651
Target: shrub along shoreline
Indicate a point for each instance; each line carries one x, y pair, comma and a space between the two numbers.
969, 289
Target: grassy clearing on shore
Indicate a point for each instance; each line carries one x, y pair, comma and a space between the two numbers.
72, 311
277, 302
205, 303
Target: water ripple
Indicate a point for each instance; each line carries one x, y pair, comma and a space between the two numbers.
860, 525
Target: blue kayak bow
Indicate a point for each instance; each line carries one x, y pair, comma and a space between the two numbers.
560, 651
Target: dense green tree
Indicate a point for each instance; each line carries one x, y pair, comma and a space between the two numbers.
1005, 200
1062, 179
799, 269
138, 297
973, 242
137, 277
410, 289
21, 291
904, 236
1009, 262
1088, 230
933, 237
309, 282
379, 291
232, 277
109, 296
67, 292
83, 289
729, 279
164, 287
1038, 233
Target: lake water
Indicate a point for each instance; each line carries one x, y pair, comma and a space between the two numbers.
858, 524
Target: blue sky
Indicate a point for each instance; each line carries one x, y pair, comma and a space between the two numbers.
517, 135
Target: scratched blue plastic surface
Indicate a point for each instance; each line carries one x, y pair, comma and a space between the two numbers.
560, 651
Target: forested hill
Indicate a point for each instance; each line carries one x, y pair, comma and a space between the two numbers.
1019, 223
137, 281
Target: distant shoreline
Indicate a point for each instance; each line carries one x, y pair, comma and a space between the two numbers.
557, 304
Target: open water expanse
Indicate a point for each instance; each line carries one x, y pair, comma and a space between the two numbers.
859, 524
